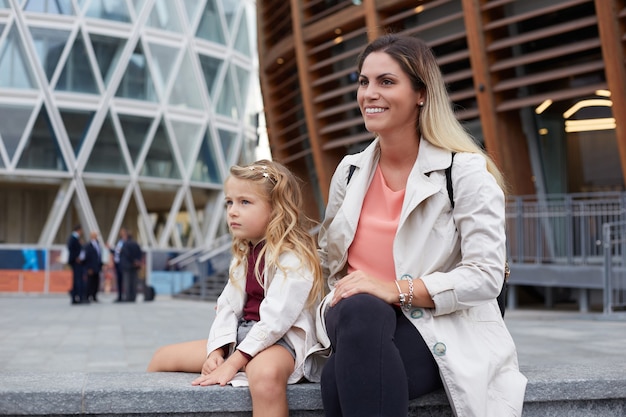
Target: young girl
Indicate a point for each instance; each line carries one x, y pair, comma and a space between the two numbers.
265, 321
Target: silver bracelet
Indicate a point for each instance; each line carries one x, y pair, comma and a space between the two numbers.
407, 306
401, 295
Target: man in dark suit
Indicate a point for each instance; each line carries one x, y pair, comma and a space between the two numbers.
93, 265
116, 252
130, 262
75, 258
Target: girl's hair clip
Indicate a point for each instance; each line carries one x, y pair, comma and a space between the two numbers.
264, 172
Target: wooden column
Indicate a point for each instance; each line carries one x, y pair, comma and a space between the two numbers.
307, 94
372, 20
613, 52
504, 137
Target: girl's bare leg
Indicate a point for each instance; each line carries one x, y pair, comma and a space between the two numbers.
179, 357
267, 374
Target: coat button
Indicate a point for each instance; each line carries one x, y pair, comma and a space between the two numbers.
439, 349
417, 313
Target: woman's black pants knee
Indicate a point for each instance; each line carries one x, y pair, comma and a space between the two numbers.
379, 360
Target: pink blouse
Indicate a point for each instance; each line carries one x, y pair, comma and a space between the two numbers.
372, 248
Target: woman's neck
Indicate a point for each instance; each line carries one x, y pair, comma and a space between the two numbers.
398, 151
397, 157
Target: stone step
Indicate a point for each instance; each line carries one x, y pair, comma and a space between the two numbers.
166, 394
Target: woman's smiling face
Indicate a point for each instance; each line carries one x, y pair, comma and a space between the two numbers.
385, 95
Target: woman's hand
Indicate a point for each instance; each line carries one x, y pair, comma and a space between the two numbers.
359, 282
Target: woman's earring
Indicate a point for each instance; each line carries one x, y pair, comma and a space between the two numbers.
421, 104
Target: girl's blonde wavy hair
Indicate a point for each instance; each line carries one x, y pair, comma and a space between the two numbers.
288, 226
437, 122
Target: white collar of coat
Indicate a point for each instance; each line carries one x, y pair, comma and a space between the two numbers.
430, 157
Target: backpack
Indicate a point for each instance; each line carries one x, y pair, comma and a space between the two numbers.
501, 299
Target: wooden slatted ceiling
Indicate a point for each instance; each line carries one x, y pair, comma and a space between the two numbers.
540, 50
275, 21
532, 50
315, 10
445, 18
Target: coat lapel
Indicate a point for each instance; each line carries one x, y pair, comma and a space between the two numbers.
420, 185
350, 210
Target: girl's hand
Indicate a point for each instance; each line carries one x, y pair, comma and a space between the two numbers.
220, 375
224, 372
214, 360
359, 282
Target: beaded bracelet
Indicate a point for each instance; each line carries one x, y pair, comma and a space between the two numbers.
402, 296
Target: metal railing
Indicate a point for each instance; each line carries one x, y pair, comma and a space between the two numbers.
570, 241
561, 228
614, 246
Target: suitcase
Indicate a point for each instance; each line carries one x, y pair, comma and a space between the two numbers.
148, 293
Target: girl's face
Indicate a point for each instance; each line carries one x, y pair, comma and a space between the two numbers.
385, 95
248, 210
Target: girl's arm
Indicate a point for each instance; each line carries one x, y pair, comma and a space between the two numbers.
215, 359
228, 310
223, 373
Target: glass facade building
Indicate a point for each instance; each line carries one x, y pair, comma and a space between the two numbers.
123, 113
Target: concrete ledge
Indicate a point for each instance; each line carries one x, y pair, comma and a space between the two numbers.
572, 392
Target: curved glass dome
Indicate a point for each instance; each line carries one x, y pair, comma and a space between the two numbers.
123, 113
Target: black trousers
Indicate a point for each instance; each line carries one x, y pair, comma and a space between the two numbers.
79, 287
93, 285
119, 277
130, 284
379, 360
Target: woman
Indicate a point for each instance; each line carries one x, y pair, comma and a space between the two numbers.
414, 282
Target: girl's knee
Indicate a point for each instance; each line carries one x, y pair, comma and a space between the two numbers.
180, 357
266, 374
159, 360
267, 382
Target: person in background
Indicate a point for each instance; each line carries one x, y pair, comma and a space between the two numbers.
414, 279
130, 262
116, 252
93, 266
265, 322
75, 258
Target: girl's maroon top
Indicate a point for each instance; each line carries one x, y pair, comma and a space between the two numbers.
254, 290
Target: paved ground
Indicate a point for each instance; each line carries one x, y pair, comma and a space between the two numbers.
46, 333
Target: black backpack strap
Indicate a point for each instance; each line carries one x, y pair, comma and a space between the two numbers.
352, 168
501, 299
449, 181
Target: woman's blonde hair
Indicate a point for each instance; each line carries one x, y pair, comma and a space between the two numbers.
288, 226
437, 122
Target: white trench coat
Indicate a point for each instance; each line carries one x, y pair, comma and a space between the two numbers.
284, 313
460, 256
